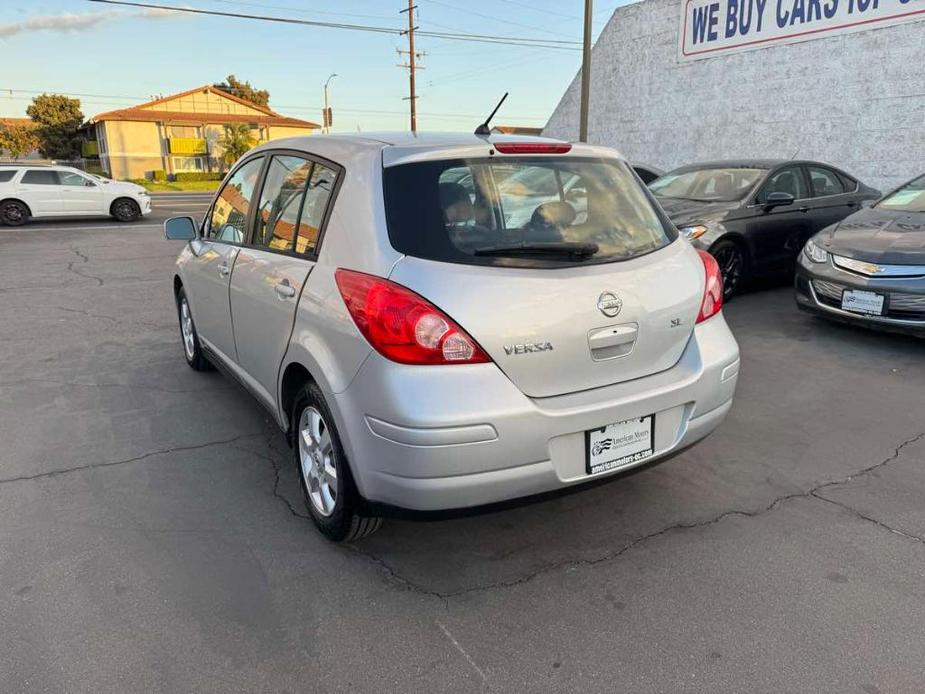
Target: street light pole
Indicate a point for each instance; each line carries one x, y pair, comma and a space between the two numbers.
327, 118
585, 76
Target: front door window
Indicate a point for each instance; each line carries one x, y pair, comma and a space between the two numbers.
228, 219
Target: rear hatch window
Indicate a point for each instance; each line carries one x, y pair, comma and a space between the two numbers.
543, 211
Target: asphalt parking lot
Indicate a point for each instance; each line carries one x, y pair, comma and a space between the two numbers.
153, 538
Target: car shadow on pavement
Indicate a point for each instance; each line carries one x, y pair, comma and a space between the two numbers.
781, 439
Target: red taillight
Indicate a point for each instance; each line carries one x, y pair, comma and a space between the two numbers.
713, 288
403, 326
533, 147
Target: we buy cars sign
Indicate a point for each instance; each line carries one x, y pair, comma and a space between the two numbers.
715, 27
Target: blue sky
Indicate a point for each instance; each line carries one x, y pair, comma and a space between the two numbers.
122, 57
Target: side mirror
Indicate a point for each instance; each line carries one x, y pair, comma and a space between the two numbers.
778, 199
90, 184
180, 229
867, 203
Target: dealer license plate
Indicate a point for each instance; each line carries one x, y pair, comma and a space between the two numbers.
616, 445
859, 301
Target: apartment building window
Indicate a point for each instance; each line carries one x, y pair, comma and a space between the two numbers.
190, 131
188, 164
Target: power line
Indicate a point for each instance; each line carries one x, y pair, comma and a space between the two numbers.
480, 38
539, 9
471, 12
289, 107
298, 10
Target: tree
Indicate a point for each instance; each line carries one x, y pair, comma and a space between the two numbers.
244, 90
57, 119
236, 142
18, 140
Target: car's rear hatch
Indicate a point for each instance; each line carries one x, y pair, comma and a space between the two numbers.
544, 328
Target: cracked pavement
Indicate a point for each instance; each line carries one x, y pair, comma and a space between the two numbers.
153, 536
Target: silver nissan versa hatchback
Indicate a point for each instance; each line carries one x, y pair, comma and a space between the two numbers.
445, 322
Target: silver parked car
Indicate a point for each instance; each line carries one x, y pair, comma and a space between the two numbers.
424, 353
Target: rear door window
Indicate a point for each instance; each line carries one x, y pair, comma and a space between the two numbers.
281, 202
529, 211
228, 220
7, 176
40, 178
317, 199
825, 182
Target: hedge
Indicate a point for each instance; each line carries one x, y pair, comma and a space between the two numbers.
159, 175
185, 176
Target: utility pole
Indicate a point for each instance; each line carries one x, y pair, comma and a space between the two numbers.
585, 76
327, 120
411, 65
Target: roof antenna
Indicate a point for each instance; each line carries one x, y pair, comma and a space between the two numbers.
483, 129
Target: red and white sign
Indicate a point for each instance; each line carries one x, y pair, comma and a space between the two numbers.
715, 27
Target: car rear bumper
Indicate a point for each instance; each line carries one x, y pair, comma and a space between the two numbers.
439, 438
818, 287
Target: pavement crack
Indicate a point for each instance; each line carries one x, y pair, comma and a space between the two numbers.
863, 516
126, 461
813, 493
871, 468
89, 314
395, 577
277, 468
84, 259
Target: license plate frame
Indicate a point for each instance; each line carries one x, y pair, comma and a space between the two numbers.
638, 434
863, 302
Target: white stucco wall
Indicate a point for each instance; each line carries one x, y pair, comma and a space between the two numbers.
857, 100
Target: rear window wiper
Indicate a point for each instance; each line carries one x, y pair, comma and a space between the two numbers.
570, 249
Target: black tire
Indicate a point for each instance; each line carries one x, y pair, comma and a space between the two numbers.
343, 521
733, 265
13, 213
125, 210
192, 350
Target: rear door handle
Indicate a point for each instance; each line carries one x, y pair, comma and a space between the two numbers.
285, 290
804, 209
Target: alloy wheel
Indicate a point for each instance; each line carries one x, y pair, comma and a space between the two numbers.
731, 263
317, 465
186, 329
13, 213
125, 211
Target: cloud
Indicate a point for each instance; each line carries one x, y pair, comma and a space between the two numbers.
75, 22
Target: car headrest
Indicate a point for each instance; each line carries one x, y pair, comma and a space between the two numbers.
456, 204
556, 214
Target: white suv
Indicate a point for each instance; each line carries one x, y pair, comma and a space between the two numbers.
34, 190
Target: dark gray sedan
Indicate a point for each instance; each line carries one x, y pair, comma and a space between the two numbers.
869, 269
754, 215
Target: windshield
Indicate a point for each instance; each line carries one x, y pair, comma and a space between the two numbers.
707, 185
909, 198
535, 212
